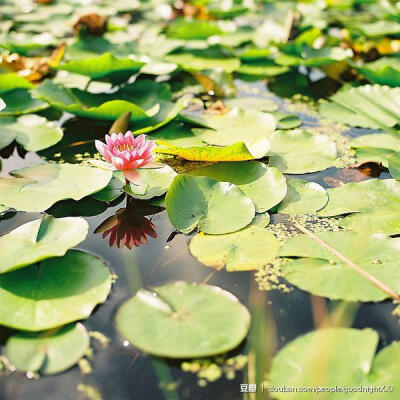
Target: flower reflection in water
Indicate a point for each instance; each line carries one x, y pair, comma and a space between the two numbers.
128, 226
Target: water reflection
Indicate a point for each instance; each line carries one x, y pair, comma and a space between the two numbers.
129, 226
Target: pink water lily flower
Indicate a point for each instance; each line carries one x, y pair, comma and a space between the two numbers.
127, 153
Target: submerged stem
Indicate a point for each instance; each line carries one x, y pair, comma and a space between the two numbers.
374, 281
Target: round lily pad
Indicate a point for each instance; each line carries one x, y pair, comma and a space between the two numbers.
303, 197
249, 126
299, 152
266, 186
320, 272
154, 182
40, 239
248, 249
326, 357
216, 207
53, 293
183, 320
37, 188
48, 352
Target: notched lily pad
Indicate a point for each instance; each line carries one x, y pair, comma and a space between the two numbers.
213, 206
185, 320
37, 188
31, 131
320, 272
266, 186
248, 249
335, 357
40, 239
303, 197
299, 152
40, 296
154, 182
48, 352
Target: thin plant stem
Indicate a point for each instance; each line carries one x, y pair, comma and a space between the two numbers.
374, 281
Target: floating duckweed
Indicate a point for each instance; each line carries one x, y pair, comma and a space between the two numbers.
100, 337
84, 366
346, 155
270, 276
90, 392
180, 165
212, 369
396, 311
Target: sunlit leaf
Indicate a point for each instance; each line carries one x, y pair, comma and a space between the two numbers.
103, 66
385, 71
303, 197
322, 273
266, 186
48, 352
23, 246
40, 297
238, 125
330, 358
31, 131
186, 320
38, 188
248, 249
213, 206
11, 81
298, 151
368, 106
154, 182
20, 101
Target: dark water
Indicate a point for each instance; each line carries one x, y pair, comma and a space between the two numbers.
122, 373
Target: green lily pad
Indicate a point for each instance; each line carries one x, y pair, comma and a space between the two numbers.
366, 196
383, 220
377, 147
154, 182
261, 68
194, 62
31, 131
40, 239
375, 203
303, 197
213, 206
193, 30
20, 101
103, 66
295, 54
287, 121
377, 28
266, 186
368, 106
248, 249
394, 166
385, 71
186, 320
113, 190
236, 152
37, 188
299, 152
40, 297
253, 102
320, 272
48, 352
148, 102
335, 357
249, 126
11, 81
